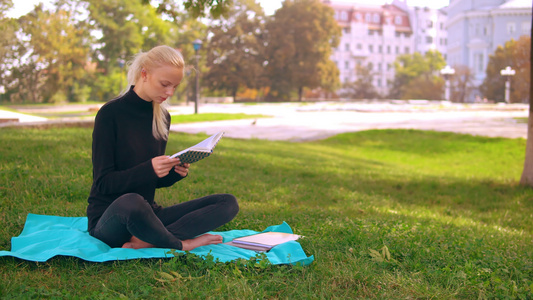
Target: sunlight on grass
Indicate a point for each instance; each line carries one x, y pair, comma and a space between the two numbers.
206, 117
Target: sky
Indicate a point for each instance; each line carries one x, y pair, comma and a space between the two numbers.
270, 6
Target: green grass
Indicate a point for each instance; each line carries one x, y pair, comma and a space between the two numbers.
207, 117
521, 120
446, 207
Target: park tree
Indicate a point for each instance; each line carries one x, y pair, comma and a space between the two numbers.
8, 43
527, 174
235, 51
362, 88
300, 39
461, 83
417, 76
125, 27
515, 54
195, 8
49, 58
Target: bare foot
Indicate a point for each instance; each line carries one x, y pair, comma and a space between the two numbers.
136, 243
206, 239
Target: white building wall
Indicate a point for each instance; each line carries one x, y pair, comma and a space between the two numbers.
365, 44
477, 28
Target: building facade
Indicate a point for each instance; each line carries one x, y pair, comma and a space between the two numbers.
477, 27
374, 35
429, 29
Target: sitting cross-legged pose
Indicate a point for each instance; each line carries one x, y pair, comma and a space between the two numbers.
129, 140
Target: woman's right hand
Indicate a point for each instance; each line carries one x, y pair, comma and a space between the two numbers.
163, 164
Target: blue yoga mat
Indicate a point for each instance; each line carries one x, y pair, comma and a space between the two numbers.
44, 237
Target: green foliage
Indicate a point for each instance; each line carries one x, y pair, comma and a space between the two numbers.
388, 214
235, 53
417, 76
216, 8
515, 54
50, 57
127, 27
301, 36
5, 5
362, 88
461, 83
206, 117
108, 86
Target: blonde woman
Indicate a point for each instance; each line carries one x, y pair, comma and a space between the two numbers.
129, 140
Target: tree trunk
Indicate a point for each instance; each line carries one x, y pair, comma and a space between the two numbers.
527, 173
300, 93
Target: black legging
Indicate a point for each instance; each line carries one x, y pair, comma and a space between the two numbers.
131, 215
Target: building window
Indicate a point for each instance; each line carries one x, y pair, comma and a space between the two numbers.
398, 20
380, 49
371, 48
406, 50
379, 67
511, 28
358, 16
429, 24
370, 32
388, 49
347, 47
429, 39
359, 46
344, 16
376, 18
368, 18
397, 49
346, 64
346, 30
379, 82
526, 28
397, 34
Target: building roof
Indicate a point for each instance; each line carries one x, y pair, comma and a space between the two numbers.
517, 4
376, 16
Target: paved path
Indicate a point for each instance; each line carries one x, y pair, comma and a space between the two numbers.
312, 121
318, 121
9, 115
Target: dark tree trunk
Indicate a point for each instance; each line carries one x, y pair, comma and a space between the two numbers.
527, 173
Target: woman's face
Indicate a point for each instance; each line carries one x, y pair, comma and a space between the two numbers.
159, 84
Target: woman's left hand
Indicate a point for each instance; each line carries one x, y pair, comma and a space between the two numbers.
182, 169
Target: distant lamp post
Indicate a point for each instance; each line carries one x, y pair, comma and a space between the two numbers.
197, 44
447, 72
507, 73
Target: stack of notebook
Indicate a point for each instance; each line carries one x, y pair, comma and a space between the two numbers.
262, 242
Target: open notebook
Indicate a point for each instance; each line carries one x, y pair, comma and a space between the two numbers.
200, 150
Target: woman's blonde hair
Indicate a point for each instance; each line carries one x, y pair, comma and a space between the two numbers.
156, 57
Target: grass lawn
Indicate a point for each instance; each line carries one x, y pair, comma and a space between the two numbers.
521, 120
206, 117
388, 214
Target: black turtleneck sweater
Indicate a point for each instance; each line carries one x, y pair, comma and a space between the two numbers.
122, 152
